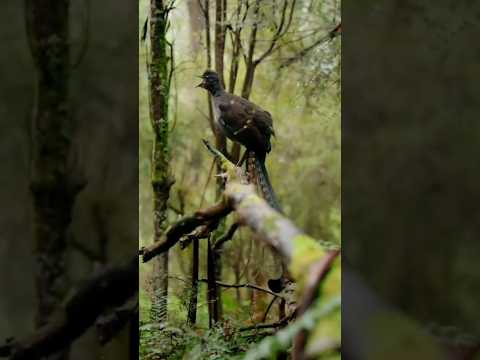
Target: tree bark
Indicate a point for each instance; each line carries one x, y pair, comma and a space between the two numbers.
196, 24
192, 307
212, 288
214, 260
220, 30
159, 79
53, 187
250, 64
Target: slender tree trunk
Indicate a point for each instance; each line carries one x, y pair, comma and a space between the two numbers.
196, 24
192, 307
214, 259
250, 63
160, 174
217, 273
212, 288
53, 187
220, 143
220, 30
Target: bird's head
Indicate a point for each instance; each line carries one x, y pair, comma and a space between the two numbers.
210, 81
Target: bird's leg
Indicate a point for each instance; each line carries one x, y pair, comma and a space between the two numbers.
242, 159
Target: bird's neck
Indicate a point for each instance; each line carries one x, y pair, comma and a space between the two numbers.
217, 90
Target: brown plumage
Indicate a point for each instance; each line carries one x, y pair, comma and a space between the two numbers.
239, 119
244, 122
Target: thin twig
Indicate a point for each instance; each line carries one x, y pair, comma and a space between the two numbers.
277, 324
281, 31
228, 236
250, 286
209, 177
331, 34
268, 309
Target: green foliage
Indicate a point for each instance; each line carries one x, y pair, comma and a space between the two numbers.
161, 341
282, 340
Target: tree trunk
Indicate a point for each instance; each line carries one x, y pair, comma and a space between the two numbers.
220, 30
52, 185
192, 307
214, 262
160, 174
212, 288
196, 24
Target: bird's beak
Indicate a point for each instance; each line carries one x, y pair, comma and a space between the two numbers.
202, 84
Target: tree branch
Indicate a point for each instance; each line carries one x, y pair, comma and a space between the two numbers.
281, 30
250, 286
183, 227
277, 324
109, 325
300, 55
112, 287
249, 64
317, 273
228, 236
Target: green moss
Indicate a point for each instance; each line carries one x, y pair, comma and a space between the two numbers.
270, 223
306, 251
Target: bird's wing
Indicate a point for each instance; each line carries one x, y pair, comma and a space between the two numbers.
262, 118
234, 114
250, 125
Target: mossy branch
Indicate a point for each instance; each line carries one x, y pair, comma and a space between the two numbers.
299, 251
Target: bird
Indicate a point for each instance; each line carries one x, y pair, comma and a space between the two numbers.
242, 121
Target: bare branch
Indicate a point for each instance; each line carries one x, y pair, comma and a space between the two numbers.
250, 286
202, 232
282, 29
112, 287
111, 324
182, 227
250, 68
176, 210
278, 324
268, 309
228, 236
300, 55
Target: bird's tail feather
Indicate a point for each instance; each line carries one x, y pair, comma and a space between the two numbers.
256, 169
262, 180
